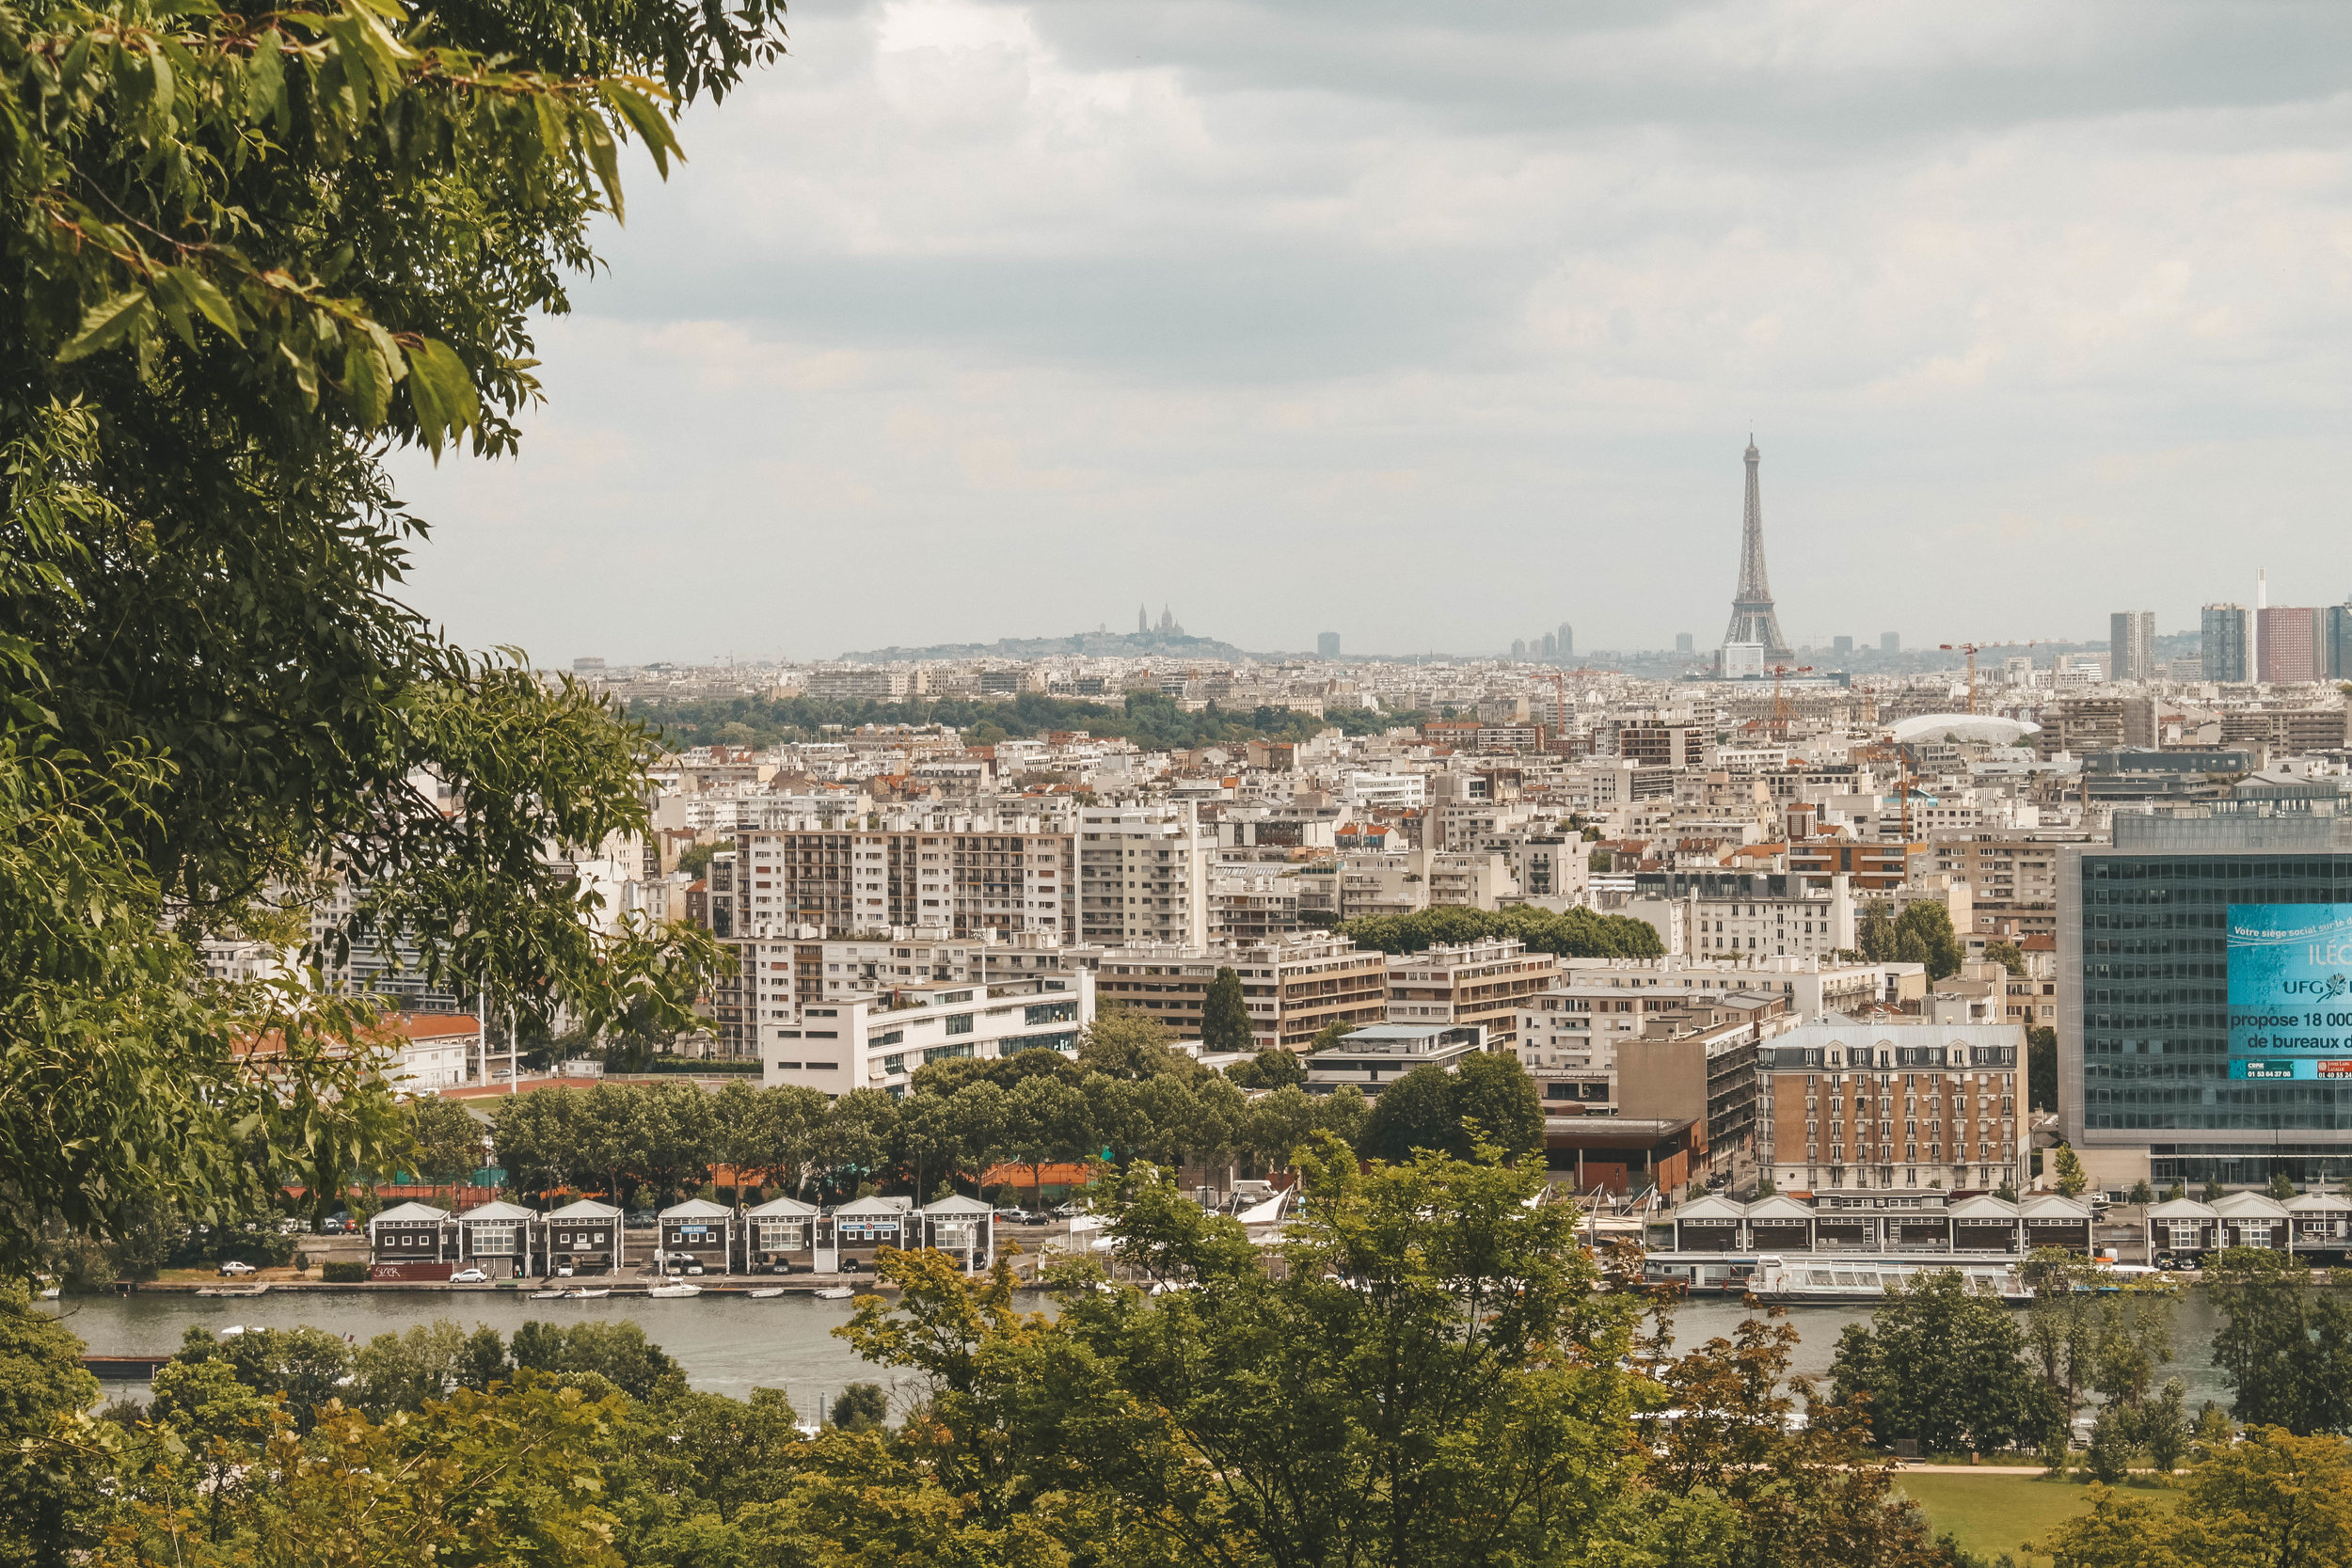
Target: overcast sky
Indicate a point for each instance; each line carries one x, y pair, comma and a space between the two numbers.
1436, 325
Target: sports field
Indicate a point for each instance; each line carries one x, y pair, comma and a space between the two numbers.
1992, 1514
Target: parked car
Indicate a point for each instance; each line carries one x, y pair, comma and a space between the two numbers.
1070, 1210
469, 1276
563, 1271
234, 1267
694, 1267
1017, 1216
640, 1219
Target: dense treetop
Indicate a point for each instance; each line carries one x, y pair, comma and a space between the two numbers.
1153, 721
1579, 933
249, 253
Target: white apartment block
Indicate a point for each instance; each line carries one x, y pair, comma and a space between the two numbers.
876, 1042
1596, 1003
1143, 874
1477, 982
1386, 791
868, 876
851, 683
1743, 915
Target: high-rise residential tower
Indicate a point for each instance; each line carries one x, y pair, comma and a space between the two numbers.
1752, 619
2224, 630
2132, 645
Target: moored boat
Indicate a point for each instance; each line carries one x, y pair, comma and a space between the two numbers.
1817, 1280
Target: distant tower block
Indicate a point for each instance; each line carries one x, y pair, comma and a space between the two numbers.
1752, 616
1683, 642
1326, 644
1143, 620
1568, 640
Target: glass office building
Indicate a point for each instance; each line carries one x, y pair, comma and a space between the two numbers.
2205, 991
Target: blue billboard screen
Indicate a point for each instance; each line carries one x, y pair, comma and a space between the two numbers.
2290, 991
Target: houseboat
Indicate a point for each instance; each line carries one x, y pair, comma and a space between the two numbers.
1827, 1281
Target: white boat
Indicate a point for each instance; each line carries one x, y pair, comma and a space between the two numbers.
764, 1293
675, 1290
1817, 1279
835, 1292
547, 1295
231, 1289
585, 1294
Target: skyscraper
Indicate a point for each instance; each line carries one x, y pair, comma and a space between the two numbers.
2223, 630
1752, 619
2132, 645
1326, 644
1568, 641
2291, 643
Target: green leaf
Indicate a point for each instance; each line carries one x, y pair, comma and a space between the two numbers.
367, 382
267, 73
601, 153
649, 122
107, 323
161, 68
206, 297
441, 391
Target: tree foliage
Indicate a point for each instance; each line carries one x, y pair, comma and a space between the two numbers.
1944, 1366
249, 254
1151, 720
1488, 1098
1577, 933
1225, 1015
2285, 1345
1922, 934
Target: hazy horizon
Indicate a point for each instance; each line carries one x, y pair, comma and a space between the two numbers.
976, 321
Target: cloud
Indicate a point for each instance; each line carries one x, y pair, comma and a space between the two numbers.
973, 320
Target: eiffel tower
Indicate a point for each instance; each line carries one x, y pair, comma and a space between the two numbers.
1752, 617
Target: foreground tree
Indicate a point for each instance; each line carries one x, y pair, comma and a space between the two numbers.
1430, 1377
1942, 1366
2285, 1346
2272, 1499
247, 254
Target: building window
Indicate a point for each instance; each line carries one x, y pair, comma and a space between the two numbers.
959, 1024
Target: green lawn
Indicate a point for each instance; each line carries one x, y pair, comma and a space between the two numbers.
1991, 1514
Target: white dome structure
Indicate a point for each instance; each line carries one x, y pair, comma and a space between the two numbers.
1983, 729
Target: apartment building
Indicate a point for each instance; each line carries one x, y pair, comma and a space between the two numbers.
2288, 731
868, 875
1596, 1004
2012, 879
1252, 903
1893, 1105
1475, 982
1143, 874
1867, 867
1749, 914
2081, 724
1655, 743
1293, 986
857, 683
879, 1040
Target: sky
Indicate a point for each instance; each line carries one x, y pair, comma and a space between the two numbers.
1438, 327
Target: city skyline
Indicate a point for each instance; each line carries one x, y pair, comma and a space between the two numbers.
1445, 335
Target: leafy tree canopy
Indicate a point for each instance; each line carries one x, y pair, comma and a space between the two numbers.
1579, 933
248, 254
1151, 720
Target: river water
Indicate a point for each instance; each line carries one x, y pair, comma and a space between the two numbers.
731, 1345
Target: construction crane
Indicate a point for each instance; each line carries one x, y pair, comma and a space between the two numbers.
1781, 704
1971, 650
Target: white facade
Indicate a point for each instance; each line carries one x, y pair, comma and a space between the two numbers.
877, 1041
1143, 874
